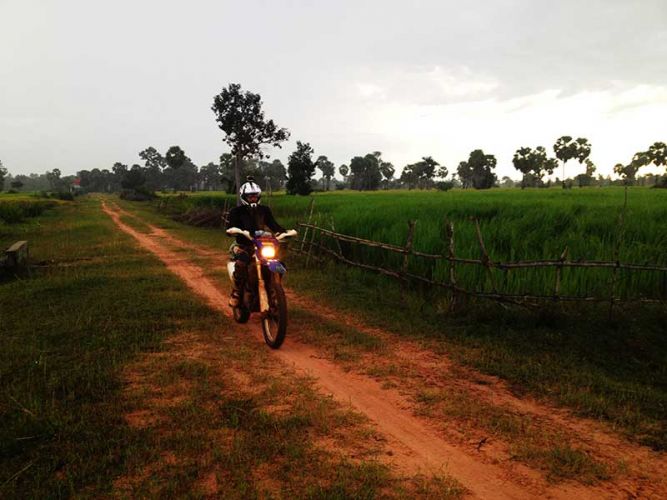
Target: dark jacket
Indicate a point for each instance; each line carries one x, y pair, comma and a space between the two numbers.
252, 219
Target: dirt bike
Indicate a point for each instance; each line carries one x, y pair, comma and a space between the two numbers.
263, 291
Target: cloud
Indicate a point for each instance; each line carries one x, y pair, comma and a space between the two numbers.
424, 85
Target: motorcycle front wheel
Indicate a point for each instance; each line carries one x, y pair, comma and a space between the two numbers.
241, 314
274, 325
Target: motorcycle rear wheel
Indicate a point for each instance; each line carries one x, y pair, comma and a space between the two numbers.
274, 325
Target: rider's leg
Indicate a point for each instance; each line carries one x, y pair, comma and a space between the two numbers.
240, 277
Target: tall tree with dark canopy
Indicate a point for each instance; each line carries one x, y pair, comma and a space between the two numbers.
567, 148
300, 169
344, 171
365, 172
175, 157
154, 163
327, 168
387, 170
134, 178
420, 174
239, 115
274, 174
533, 164
478, 170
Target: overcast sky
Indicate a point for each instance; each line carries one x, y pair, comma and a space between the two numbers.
85, 83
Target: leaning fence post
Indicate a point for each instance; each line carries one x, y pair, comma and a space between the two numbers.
617, 252
333, 229
451, 256
408, 246
224, 213
305, 230
486, 260
310, 245
559, 270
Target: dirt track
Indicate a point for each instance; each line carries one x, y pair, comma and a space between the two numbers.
417, 444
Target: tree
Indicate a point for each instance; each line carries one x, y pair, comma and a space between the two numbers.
588, 177
568, 149
327, 168
3, 174
209, 176
239, 115
387, 170
657, 154
533, 164
134, 178
276, 175
16, 184
420, 174
300, 169
227, 172
154, 163
365, 172
478, 170
442, 172
175, 157
54, 178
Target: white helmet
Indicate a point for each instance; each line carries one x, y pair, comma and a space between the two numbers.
249, 188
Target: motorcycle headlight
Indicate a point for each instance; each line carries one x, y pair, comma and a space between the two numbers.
268, 251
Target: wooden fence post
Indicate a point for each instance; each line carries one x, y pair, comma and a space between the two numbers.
559, 270
617, 252
408, 246
333, 228
305, 231
310, 246
486, 260
224, 214
451, 256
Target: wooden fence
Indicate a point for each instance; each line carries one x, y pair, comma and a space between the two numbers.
317, 242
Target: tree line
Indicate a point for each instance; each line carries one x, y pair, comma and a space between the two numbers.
247, 132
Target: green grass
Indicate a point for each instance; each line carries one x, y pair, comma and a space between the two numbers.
97, 306
16, 207
532, 224
614, 369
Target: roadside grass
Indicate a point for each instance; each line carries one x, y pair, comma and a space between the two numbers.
66, 332
16, 208
614, 370
530, 440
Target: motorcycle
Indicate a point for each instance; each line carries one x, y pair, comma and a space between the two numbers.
263, 291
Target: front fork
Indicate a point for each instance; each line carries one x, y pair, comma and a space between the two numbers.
263, 296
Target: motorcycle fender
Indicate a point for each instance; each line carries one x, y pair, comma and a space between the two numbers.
275, 266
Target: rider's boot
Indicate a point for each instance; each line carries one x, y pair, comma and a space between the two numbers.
240, 275
235, 299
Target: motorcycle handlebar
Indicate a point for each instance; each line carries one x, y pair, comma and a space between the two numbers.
235, 230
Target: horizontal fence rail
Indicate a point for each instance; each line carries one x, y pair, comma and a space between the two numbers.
313, 235
498, 265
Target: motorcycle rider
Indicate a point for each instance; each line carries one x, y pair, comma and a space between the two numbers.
250, 216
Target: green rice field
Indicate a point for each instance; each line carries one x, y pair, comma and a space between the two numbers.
517, 225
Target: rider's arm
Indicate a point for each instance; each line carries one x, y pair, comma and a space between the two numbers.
234, 220
271, 222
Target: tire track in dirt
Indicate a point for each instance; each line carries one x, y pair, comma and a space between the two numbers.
416, 445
